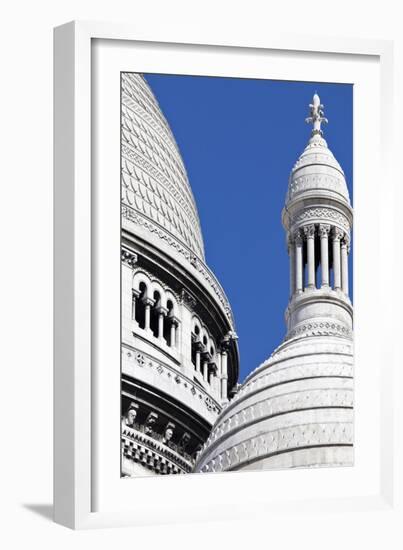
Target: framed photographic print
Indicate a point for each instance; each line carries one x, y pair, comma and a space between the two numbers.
217, 214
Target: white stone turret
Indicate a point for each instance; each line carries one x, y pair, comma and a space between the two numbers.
318, 218
296, 409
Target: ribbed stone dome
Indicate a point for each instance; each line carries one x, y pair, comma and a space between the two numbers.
155, 187
317, 171
296, 409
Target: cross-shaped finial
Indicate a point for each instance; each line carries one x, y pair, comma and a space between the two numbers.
316, 117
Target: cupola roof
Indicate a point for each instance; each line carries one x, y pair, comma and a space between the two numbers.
317, 170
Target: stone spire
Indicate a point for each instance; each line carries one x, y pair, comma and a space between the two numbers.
318, 218
316, 116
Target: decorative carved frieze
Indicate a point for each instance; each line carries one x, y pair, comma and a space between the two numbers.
154, 454
145, 360
277, 441
320, 214
188, 299
321, 328
128, 258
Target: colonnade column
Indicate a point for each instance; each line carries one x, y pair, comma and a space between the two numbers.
205, 370
224, 376
173, 333
344, 263
337, 235
198, 360
324, 231
298, 262
219, 374
291, 252
161, 314
309, 231
148, 302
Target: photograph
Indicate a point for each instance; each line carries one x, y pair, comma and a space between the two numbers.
236, 256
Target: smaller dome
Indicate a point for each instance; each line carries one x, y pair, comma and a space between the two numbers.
316, 172
295, 410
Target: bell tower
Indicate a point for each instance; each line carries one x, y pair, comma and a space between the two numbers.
318, 218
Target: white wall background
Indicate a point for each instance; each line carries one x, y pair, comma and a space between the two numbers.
26, 264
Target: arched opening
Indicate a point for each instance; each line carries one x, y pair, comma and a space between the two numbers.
169, 333
155, 313
140, 306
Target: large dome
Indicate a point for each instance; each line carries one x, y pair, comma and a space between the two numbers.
155, 187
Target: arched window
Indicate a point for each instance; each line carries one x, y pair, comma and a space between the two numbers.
140, 306
169, 333
155, 313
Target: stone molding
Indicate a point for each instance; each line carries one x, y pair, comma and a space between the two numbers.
320, 213
265, 409
277, 441
153, 454
144, 360
291, 373
320, 328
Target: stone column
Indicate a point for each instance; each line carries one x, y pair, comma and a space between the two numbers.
205, 370
337, 235
173, 334
298, 263
148, 302
218, 372
324, 231
291, 252
309, 231
344, 264
198, 361
224, 376
162, 313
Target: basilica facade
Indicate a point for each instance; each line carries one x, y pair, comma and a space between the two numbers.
182, 407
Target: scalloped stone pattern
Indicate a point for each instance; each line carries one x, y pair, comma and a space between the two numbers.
317, 169
153, 177
295, 410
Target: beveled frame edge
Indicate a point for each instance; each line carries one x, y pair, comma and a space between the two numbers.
72, 244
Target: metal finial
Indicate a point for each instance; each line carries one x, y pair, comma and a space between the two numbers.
316, 117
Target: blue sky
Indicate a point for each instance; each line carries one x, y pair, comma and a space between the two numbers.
239, 139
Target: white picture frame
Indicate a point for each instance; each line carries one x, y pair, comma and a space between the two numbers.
88, 491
